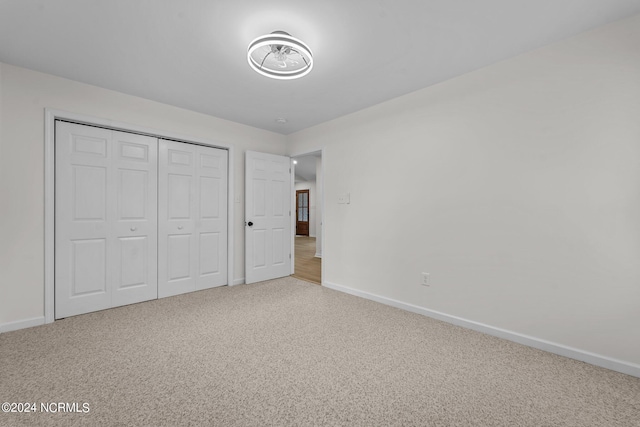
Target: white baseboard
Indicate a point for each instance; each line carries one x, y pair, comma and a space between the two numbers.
559, 349
239, 281
22, 324
318, 255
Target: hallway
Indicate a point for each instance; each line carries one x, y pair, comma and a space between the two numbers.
307, 266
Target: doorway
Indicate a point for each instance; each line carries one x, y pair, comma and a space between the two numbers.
307, 247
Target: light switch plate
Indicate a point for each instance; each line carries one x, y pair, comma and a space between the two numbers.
344, 199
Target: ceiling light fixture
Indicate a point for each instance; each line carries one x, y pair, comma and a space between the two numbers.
280, 56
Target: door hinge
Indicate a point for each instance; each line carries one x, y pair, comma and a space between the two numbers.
289, 256
289, 170
289, 213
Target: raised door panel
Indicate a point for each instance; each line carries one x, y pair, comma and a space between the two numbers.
134, 262
179, 257
278, 247
88, 267
133, 195
209, 254
89, 196
259, 250
179, 203
210, 193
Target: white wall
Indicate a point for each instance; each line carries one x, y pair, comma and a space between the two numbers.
516, 186
311, 186
24, 96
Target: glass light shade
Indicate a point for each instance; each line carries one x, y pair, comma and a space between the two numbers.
280, 56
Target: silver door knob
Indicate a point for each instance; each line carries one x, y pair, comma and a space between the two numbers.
133, 229
179, 227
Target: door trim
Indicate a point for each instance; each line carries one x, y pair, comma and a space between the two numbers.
322, 199
51, 115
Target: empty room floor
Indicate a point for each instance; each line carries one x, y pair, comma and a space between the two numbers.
286, 352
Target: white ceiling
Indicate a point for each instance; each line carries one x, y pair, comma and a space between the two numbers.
192, 53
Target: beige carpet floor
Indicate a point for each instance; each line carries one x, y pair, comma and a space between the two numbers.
289, 353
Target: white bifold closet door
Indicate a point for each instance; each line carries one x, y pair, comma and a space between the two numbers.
192, 216
135, 218
105, 219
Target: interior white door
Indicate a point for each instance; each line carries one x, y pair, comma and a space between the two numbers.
135, 225
267, 216
211, 217
192, 211
105, 219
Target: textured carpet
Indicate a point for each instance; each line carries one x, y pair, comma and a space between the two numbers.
286, 352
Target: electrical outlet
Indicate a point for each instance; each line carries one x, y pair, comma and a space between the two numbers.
425, 279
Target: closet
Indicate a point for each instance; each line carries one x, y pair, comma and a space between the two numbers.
136, 218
